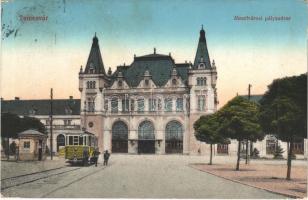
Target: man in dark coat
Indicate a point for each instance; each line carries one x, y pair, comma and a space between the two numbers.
96, 155
106, 157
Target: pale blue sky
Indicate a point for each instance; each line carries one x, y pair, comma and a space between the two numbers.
245, 52
137, 22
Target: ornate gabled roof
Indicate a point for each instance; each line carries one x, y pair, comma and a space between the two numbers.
41, 107
202, 54
95, 63
159, 67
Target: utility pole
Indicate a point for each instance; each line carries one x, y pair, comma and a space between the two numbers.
51, 115
247, 141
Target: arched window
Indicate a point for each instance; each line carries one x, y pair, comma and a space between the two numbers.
88, 84
198, 81
203, 81
146, 131
119, 137
114, 104
60, 141
174, 81
174, 131
119, 131
94, 84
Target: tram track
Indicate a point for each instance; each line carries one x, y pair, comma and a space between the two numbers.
72, 182
28, 178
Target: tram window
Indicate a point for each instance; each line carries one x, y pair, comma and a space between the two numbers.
76, 140
90, 140
70, 140
80, 140
85, 140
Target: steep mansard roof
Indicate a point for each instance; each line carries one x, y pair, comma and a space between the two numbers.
41, 107
95, 61
159, 66
202, 54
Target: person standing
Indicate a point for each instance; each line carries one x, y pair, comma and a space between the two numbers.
106, 157
96, 156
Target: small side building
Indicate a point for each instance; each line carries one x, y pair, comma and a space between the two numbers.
32, 145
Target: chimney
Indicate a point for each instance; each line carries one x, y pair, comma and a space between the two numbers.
17, 98
71, 97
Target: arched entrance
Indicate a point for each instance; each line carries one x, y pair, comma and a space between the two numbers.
119, 137
174, 137
146, 137
60, 141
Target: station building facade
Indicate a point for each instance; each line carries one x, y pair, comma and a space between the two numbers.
149, 106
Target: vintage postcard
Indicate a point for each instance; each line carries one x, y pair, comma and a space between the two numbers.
180, 99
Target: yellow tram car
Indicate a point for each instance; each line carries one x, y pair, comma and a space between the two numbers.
80, 147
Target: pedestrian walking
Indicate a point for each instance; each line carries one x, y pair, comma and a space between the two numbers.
96, 156
106, 157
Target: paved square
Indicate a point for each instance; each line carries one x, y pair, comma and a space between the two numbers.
139, 176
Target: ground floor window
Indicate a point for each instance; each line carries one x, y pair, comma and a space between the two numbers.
298, 147
174, 137
271, 146
119, 137
27, 145
222, 148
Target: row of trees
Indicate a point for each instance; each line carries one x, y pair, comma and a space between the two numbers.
281, 112
12, 124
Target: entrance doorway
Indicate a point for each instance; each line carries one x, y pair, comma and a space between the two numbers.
174, 137
119, 137
146, 137
146, 146
40, 150
60, 141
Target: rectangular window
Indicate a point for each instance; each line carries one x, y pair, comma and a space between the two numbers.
271, 146
222, 148
27, 145
159, 104
132, 105
140, 103
67, 122
114, 105
70, 140
76, 142
298, 147
201, 102
81, 140
125, 105
168, 104
179, 104
152, 105
91, 106
106, 104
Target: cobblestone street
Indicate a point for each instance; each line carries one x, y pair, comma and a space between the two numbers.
130, 176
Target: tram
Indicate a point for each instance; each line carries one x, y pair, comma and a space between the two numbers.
80, 147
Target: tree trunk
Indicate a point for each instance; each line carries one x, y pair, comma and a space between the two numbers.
290, 159
211, 155
238, 156
247, 142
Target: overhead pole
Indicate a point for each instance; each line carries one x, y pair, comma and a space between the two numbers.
247, 141
51, 124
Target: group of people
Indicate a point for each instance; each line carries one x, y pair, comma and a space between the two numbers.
106, 157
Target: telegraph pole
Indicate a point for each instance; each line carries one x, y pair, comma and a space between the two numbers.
247, 141
51, 115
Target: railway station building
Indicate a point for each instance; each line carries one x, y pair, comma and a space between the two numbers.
149, 106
